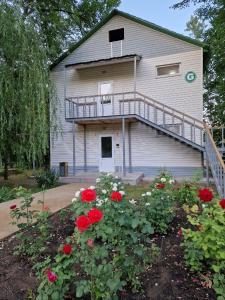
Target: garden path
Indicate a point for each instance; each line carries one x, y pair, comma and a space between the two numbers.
56, 199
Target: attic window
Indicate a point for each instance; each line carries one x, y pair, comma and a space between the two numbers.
168, 70
116, 35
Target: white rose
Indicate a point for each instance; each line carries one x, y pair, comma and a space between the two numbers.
122, 193
171, 181
148, 194
77, 194
74, 200
104, 191
147, 204
143, 195
92, 187
132, 201
114, 188
98, 180
114, 184
106, 199
163, 179
82, 189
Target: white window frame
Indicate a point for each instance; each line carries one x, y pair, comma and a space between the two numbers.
168, 65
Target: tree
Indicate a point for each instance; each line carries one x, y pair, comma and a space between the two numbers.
196, 28
213, 12
24, 90
64, 22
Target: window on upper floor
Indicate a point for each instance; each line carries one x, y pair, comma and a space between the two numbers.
168, 70
116, 35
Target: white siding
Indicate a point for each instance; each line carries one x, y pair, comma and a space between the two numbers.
156, 49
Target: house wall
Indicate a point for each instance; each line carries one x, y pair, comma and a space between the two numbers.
150, 151
156, 49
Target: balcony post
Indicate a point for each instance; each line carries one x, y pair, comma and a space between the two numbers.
124, 153
129, 144
135, 76
74, 156
65, 79
85, 148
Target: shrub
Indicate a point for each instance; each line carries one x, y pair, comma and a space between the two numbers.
32, 237
204, 244
158, 204
110, 243
47, 179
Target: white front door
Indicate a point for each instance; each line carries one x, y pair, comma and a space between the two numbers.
106, 154
105, 101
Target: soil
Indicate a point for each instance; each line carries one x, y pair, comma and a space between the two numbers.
167, 279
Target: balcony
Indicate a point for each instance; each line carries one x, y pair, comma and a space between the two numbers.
134, 106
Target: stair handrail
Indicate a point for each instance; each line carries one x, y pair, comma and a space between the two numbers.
219, 157
215, 161
171, 108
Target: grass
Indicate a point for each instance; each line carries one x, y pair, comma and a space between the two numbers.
24, 179
137, 190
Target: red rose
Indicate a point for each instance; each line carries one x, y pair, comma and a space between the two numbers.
90, 243
52, 277
160, 186
95, 215
88, 195
222, 203
116, 196
82, 223
67, 249
180, 233
13, 206
205, 195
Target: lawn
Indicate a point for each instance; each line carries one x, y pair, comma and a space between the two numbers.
136, 244
23, 179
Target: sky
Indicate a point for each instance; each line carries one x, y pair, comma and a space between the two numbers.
159, 12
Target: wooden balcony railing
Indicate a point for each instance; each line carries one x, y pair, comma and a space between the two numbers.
134, 103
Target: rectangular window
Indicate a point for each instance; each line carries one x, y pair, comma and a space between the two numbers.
168, 70
116, 35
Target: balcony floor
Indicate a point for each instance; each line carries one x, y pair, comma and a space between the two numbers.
103, 120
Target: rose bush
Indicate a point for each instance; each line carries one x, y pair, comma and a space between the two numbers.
111, 244
158, 204
204, 244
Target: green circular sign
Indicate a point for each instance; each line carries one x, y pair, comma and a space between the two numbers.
190, 76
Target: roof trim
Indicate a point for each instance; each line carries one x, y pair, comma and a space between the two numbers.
117, 12
120, 59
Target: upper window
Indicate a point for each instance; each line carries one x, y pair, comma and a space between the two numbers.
116, 35
168, 70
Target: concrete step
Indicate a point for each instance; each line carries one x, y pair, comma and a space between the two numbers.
90, 178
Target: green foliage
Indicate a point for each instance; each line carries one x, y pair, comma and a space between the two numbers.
64, 22
7, 194
159, 203
204, 245
47, 179
195, 27
120, 252
25, 89
32, 237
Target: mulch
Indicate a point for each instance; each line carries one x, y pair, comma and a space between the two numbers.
167, 279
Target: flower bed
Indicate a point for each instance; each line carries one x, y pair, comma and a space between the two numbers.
111, 246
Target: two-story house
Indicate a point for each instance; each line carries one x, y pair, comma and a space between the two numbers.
130, 100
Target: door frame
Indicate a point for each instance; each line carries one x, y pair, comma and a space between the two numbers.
100, 150
104, 82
